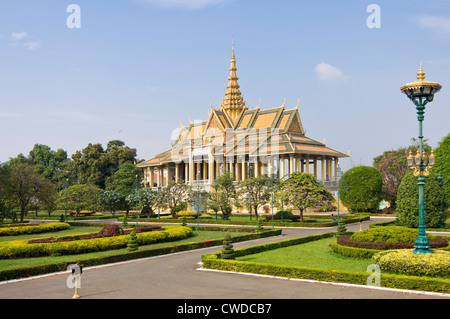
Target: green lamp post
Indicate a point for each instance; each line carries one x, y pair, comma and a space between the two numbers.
441, 200
420, 93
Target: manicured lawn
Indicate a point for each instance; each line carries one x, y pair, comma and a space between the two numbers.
315, 254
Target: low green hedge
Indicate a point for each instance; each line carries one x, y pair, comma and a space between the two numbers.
389, 234
213, 261
404, 261
40, 228
21, 248
354, 252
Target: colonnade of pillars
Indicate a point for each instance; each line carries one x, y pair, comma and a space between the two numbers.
208, 170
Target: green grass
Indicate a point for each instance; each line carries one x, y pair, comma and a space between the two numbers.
36, 261
315, 254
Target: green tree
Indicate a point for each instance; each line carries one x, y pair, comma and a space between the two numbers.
176, 194
442, 166
49, 197
6, 204
361, 189
393, 166
226, 195
47, 161
408, 201
25, 185
111, 200
302, 190
79, 197
94, 165
256, 191
124, 179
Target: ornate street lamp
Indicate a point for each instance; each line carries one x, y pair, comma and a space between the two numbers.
420, 93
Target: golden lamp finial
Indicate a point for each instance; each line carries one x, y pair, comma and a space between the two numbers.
421, 74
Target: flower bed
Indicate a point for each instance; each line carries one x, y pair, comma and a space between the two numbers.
33, 229
437, 242
107, 231
21, 248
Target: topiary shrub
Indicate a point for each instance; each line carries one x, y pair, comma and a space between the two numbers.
228, 251
361, 190
133, 243
404, 261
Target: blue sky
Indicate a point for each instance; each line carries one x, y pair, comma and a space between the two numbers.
136, 69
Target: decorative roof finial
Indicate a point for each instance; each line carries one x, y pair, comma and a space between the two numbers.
233, 103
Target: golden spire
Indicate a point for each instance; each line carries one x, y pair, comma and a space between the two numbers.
421, 74
233, 103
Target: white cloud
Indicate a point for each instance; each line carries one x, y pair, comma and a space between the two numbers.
439, 24
188, 4
18, 35
31, 45
330, 73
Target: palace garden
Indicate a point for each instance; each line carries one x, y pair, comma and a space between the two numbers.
52, 218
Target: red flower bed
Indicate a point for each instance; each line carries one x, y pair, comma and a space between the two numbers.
107, 231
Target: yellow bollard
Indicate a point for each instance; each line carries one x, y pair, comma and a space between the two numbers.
76, 295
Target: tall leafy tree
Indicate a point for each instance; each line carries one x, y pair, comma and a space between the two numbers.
111, 200
25, 185
226, 195
94, 164
177, 194
79, 197
6, 204
442, 165
90, 165
393, 166
302, 190
123, 181
256, 191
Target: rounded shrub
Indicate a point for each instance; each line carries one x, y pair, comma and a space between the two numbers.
408, 201
404, 261
360, 189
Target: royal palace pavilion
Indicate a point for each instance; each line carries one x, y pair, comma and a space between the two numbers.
245, 141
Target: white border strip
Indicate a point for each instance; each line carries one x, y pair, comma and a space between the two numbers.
417, 292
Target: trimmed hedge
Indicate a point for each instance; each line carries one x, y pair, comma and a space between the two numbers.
21, 248
213, 261
389, 234
32, 229
404, 261
437, 242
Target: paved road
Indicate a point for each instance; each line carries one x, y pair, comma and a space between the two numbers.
177, 277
